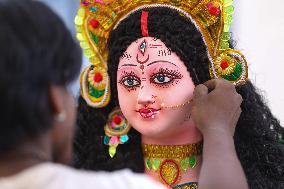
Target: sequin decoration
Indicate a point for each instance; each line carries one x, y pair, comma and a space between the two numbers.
94, 82
172, 151
231, 65
97, 82
176, 158
170, 173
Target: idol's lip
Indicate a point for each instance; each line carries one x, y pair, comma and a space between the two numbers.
148, 112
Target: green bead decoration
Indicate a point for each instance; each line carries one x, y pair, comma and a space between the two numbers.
226, 36
229, 10
80, 36
95, 38
156, 164
228, 2
148, 164
112, 150
227, 27
89, 53
224, 45
236, 74
192, 161
229, 19
96, 93
79, 20
81, 12
84, 45
184, 164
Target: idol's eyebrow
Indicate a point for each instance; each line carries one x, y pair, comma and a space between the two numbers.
132, 65
158, 61
128, 65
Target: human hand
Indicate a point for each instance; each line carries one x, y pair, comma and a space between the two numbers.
218, 110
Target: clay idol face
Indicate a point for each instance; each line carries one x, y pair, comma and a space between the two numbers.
150, 77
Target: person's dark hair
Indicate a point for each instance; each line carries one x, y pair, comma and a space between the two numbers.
36, 50
256, 133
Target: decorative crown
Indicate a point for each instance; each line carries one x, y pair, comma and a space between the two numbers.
96, 18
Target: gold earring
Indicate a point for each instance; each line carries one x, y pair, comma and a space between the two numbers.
116, 130
60, 117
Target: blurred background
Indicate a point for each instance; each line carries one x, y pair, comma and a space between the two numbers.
258, 30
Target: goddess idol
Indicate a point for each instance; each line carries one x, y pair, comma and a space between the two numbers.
135, 110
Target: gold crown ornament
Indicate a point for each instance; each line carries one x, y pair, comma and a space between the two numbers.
96, 18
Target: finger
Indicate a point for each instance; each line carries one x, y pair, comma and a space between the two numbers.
199, 91
214, 83
211, 84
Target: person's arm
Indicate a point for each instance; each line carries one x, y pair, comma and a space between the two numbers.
216, 114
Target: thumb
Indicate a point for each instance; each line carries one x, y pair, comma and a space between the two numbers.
200, 91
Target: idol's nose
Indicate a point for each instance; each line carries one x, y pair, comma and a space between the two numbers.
145, 96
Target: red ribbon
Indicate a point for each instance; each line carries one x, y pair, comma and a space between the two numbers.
144, 24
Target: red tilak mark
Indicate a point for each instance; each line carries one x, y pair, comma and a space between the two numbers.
143, 79
144, 24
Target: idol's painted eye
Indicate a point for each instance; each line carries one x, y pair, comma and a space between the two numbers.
165, 77
130, 81
162, 79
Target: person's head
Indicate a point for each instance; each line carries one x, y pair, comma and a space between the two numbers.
38, 59
152, 72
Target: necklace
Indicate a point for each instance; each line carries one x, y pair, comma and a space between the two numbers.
170, 160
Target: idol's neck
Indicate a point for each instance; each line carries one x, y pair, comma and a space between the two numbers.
186, 133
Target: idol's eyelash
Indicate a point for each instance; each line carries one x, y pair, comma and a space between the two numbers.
173, 74
127, 74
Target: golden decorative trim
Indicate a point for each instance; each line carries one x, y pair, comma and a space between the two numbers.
191, 185
172, 151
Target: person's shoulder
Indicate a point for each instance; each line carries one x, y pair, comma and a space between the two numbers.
118, 179
70, 178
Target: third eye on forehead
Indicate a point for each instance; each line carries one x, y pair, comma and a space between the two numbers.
143, 46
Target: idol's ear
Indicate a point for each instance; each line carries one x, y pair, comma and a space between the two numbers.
230, 65
95, 86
